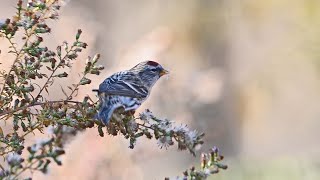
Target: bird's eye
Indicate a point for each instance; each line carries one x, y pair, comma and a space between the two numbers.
153, 70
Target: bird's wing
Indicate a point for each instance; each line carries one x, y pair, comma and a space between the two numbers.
124, 84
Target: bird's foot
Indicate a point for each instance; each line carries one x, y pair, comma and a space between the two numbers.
130, 113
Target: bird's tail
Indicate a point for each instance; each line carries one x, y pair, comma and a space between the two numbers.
105, 113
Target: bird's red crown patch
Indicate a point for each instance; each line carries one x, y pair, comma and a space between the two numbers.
152, 63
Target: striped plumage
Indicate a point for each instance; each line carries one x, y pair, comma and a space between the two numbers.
128, 89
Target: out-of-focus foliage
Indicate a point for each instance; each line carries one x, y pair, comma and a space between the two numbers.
210, 164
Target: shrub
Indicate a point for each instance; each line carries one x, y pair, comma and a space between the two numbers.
25, 108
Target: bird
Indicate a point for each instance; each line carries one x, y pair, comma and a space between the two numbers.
127, 89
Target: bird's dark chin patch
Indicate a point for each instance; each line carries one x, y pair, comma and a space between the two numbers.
152, 63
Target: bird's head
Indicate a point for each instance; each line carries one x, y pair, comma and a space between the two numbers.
149, 72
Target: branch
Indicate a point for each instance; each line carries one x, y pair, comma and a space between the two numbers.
38, 104
20, 51
53, 71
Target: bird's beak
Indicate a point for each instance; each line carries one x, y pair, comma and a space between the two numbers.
163, 72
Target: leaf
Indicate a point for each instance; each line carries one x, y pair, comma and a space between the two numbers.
46, 90
49, 68
29, 117
77, 91
1, 132
24, 127
59, 51
64, 92
64, 74
65, 44
85, 81
45, 75
40, 163
16, 103
53, 63
100, 131
49, 83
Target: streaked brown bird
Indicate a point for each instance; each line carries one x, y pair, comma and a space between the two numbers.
128, 89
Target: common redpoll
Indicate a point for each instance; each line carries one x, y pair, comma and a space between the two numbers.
128, 89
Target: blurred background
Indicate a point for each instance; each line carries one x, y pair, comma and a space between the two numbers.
244, 72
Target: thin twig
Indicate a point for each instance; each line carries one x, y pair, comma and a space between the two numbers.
19, 53
24, 135
76, 87
25, 168
51, 75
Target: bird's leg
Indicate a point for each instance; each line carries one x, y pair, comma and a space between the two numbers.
131, 112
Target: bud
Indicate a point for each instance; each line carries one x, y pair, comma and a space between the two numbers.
214, 149
59, 51
95, 58
7, 21
78, 34
192, 168
19, 4
40, 39
204, 160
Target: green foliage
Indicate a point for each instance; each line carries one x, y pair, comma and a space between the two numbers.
25, 108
